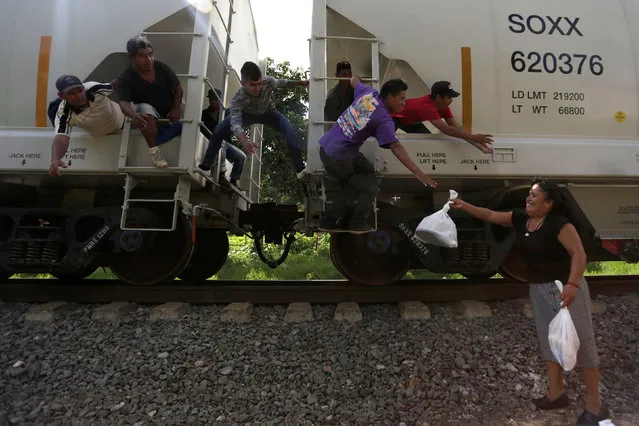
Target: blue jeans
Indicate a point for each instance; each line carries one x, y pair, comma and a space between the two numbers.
273, 119
235, 156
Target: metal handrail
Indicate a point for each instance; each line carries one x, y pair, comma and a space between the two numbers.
226, 68
208, 83
228, 33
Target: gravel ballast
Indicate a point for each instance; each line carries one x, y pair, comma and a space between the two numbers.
446, 370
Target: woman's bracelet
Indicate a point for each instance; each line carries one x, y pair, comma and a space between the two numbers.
572, 284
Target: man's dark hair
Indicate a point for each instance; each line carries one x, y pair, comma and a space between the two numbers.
250, 72
392, 87
552, 192
211, 94
136, 43
341, 66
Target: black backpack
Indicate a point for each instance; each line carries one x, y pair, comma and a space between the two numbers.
53, 109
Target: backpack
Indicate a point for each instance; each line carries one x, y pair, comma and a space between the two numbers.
53, 109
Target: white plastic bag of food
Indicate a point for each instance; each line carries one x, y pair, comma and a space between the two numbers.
438, 229
562, 337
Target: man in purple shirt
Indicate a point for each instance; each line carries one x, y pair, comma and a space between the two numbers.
368, 116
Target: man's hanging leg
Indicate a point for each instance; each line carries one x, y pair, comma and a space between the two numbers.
150, 133
276, 120
361, 187
237, 158
222, 132
342, 171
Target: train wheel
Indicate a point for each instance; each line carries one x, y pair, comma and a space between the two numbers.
367, 258
209, 255
151, 257
513, 268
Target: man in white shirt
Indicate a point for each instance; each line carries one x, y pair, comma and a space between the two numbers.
85, 105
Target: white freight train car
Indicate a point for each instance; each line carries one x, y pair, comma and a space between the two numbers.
110, 207
555, 81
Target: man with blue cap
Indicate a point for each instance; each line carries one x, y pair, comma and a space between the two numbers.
85, 105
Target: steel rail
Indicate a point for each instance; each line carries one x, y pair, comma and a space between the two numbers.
279, 292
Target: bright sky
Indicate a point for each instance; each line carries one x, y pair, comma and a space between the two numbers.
280, 37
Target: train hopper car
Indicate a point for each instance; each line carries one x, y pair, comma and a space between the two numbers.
111, 207
555, 82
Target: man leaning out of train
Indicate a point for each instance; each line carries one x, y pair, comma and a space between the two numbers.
85, 105
435, 108
552, 250
149, 90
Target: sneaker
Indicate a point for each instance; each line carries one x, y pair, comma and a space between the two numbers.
588, 418
157, 158
204, 167
301, 173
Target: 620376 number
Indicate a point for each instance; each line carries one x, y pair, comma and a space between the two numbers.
564, 63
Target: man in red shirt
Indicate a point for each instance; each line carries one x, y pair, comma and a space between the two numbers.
434, 108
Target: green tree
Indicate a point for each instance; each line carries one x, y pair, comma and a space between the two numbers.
278, 179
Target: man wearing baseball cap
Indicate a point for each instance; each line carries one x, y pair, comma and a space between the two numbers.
435, 108
85, 105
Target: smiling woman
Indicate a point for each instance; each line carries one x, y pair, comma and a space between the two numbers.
551, 249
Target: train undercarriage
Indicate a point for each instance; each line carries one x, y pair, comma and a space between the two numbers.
71, 244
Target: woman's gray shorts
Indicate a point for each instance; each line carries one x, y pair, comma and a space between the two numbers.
545, 301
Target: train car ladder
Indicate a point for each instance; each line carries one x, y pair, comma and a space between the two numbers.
197, 72
180, 197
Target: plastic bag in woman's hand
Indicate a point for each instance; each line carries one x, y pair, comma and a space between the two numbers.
438, 229
562, 337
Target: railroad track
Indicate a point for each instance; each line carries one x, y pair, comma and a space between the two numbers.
280, 292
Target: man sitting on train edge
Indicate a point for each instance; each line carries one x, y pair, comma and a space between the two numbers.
210, 118
368, 115
341, 96
253, 104
435, 108
148, 90
85, 105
